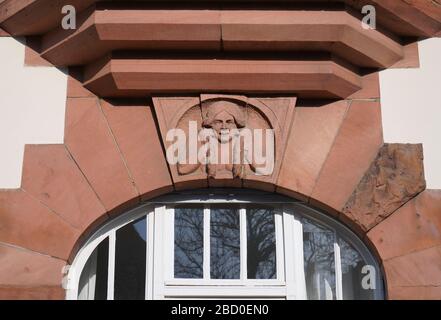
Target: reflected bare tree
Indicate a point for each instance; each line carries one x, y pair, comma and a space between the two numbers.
225, 243
189, 242
318, 250
261, 244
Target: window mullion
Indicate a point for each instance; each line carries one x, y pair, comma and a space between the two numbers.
280, 260
338, 272
243, 244
149, 255
206, 257
111, 266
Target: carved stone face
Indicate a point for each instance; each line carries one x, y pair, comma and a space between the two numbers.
222, 124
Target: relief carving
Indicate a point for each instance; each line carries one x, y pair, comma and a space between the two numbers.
395, 177
222, 137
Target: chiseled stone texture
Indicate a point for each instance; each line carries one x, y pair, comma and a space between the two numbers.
409, 244
415, 226
395, 177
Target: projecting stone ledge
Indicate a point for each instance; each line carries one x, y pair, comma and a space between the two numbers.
395, 177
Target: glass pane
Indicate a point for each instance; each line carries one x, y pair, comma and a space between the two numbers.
189, 242
93, 279
130, 261
351, 266
225, 243
261, 244
318, 249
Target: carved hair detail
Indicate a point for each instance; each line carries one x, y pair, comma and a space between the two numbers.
212, 108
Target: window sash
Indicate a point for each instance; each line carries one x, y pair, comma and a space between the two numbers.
290, 282
206, 280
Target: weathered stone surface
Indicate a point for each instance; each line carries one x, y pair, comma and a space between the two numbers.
416, 269
395, 177
413, 227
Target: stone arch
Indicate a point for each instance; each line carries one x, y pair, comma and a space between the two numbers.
67, 190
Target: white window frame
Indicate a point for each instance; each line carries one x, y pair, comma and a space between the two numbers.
160, 283
210, 288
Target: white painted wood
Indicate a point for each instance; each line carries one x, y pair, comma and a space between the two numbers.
243, 243
199, 292
224, 282
299, 269
111, 266
150, 220
289, 238
207, 246
280, 259
161, 254
160, 282
338, 272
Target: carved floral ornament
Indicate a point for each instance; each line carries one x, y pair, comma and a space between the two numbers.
224, 137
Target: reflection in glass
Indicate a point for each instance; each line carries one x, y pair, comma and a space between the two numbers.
189, 243
130, 259
318, 250
351, 267
224, 243
261, 244
93, 279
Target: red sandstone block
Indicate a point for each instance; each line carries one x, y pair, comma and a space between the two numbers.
135, 132
93, 146
26, 222
51, 175
415, 226
414, 293
310, 140
32, 293
75, 88
420, 268
355, 147
20, 267
3, 33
